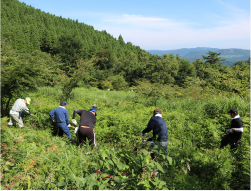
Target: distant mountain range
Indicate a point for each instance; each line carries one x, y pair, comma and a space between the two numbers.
231, 55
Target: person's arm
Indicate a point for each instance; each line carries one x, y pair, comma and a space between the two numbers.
238, 124
238, 129
75, 112
150, 126
24, 108
51, 114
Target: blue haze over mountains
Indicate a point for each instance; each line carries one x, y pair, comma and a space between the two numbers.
231, 55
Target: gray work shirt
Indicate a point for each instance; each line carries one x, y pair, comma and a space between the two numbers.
18, 106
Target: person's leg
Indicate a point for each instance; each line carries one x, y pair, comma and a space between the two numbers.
15, 117
234, 144
20, 123
93, 139
10, 123
60, 131
91, 135
82, 135
65, 129
62, 128
225, 141
165, 147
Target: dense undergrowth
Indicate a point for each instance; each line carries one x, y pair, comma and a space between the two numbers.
35, 158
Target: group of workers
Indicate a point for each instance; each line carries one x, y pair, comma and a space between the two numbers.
85, 130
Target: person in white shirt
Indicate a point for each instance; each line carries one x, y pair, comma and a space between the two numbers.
18, 107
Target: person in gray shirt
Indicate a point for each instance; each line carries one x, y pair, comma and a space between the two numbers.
18, 107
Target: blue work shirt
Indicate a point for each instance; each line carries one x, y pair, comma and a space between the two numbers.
61, 115
158, 125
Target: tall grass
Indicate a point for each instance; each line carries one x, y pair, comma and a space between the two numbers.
35, 158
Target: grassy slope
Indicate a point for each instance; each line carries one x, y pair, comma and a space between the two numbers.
31, 155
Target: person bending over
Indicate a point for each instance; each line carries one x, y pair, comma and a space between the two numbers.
234, 134
158, 125
62, 120
86, 126
16, 111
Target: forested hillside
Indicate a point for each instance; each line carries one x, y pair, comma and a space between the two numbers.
230, 55
113, 61
48, 45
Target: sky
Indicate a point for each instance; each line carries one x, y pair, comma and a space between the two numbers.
161, 24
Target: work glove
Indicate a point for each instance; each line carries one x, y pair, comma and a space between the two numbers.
143, 143
151, 144
229, 131
142, 135
69, 125
76, 129
74, 121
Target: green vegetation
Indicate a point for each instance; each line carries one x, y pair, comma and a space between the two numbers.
35, 158
51, 59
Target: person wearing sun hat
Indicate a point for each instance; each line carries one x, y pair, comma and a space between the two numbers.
61, 115
85, 130
15, 112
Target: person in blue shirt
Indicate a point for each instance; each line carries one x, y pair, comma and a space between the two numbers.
61, 115
158, 125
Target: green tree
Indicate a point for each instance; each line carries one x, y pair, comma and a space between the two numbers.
213, 59
23, 73
118, 82
151, 91
164, 70
121, 40
76, 75
18, 75
69, 48
186, 69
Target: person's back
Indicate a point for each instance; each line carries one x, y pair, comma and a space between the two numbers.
87, 119
19, 106
158, 125
60, 114
86, 126
160, 129
234, 134
236, 123
16, 111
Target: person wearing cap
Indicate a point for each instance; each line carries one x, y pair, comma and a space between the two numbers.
158, 125
16, 111
61, 115
94, 106
86, 126
234, 134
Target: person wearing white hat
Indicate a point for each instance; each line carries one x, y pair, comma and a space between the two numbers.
16, 110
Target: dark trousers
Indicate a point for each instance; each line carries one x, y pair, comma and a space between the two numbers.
227, 139
87, 133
